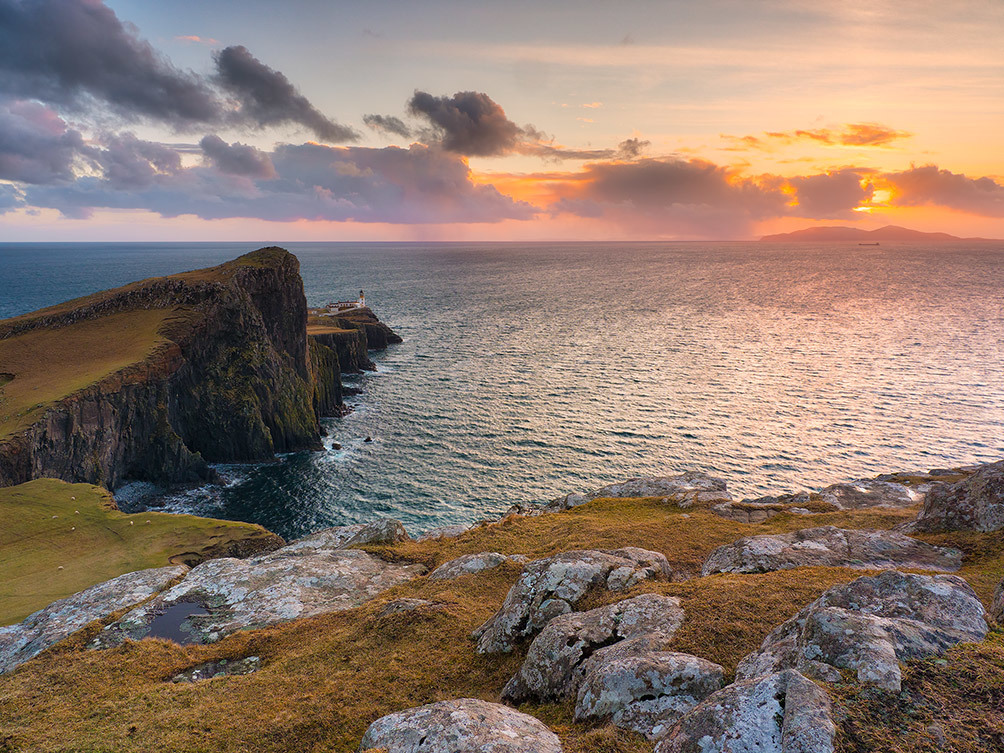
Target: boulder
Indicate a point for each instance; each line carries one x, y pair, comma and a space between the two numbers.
21, 642
869, 626
227, 595
444, 532
210, 670
553, 586
647, 692
554, 663
400, 606
780, 713
973, 504
468, 564
682, 490
380, 531
466, 725
749, 511
833, 547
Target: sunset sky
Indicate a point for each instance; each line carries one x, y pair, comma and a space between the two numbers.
545, 120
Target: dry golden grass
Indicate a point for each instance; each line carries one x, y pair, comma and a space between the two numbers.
325, 679
47, 365
57, 539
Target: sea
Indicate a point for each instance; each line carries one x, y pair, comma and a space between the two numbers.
532, 370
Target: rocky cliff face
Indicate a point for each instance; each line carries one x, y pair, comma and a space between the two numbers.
378, 334
351, 345
237, 380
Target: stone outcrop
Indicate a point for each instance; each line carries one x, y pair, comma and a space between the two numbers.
554, 662
647, 692
973, 504
869, 626
466, 725
469, 564
350, 345
378, 334
833, 547
610, 660
309, 577
863, 493
46, 627
233, 379
780, 713
553, 586
682, 490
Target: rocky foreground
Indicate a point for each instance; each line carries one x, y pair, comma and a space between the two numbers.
649, 615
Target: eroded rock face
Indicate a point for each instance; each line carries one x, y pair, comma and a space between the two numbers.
468, 564
553, 586
292, 582
46, 627
830, 546
683, 490
973, 504
466, 725
870, 625
380, 531
780, 713
554, 663
997, 608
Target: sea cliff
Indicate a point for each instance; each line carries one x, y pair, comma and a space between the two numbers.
218, 368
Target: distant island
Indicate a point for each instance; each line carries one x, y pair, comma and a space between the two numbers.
887, 233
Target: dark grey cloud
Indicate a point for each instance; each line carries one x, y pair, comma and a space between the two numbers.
237, 159
632, 148
10, 198
267, 97
927, 185
468, 123
418, 185
129, 163
36, 145
77, 52
388, 124
830, 195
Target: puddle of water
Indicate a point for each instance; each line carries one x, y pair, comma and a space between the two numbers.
168, 625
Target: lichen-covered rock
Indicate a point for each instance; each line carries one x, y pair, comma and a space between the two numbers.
468, 564
401, 606
48, 626
748, 511
863, 493
973, 504
223, 668
553, 586
647, 692
683, 490
289, 583
444, 532
380, 531
869, 626
779, 713
830, 546
466, 725
553, 665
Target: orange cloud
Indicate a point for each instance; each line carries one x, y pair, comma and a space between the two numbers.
851, 134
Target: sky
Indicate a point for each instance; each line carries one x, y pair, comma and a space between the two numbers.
334, 120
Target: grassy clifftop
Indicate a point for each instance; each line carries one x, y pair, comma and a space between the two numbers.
324, 679
57, 539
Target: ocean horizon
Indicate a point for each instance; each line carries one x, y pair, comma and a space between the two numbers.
532, 370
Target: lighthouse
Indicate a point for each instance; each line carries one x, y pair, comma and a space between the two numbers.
362, 299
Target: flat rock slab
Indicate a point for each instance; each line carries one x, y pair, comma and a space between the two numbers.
863, 493
973, 504
48, 626
381, 531
554, 662
466, 725
469, 564
780, 713
553, 586
290, 583
684, 490
870, 625
833, 547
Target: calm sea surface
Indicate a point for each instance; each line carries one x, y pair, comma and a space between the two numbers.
534, 370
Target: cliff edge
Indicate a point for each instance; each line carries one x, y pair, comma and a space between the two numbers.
156, 379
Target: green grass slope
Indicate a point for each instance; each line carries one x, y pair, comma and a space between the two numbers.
58, 538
